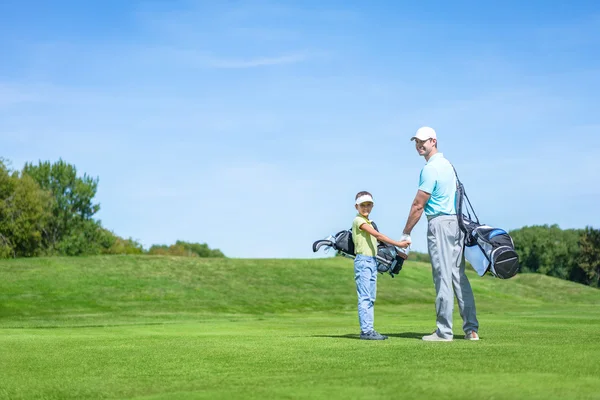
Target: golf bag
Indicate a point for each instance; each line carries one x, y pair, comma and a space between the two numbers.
486, 248
389, 259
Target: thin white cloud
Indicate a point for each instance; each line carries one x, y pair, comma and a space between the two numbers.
258, 62
203, 59
199, 34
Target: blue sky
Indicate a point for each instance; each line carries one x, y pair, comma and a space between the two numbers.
250, 125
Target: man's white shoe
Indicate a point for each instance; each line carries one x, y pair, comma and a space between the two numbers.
472, 335
435, 338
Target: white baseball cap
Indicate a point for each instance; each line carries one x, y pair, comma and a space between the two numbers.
424, 133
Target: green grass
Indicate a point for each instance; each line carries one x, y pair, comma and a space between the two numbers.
162, 327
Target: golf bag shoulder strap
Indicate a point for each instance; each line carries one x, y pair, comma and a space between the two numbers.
370, 222
463, 209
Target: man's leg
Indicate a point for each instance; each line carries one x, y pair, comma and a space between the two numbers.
442, 275
462, 287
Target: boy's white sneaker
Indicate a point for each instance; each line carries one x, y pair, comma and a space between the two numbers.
472, 335
435, 338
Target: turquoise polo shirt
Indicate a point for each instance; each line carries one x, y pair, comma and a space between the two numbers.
438, 179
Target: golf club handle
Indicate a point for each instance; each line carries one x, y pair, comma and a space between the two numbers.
320, 243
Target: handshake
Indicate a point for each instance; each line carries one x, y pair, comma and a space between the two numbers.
404, 250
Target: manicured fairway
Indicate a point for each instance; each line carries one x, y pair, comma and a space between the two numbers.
154, 328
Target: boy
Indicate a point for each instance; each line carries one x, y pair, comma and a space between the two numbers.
365, 239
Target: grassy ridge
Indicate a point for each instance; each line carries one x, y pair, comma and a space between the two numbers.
161, 287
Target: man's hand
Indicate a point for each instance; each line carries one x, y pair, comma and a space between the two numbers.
405, 237
403, 251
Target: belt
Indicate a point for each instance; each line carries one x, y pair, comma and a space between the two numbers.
430, 217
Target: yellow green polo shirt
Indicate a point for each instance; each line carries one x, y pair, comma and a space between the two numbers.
364, 243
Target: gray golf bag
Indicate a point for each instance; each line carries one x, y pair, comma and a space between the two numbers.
389, 259
486, 248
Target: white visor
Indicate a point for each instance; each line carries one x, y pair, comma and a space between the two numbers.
364, 198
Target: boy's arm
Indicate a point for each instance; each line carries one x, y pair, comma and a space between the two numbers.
381, 237
416, 210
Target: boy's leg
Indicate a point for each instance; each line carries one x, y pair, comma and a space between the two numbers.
374, 275
373, 288
440, 251
362, 277
373, 280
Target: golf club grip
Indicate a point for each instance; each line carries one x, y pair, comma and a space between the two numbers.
320, 243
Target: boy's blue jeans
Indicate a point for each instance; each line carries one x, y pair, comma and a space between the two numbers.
365, 276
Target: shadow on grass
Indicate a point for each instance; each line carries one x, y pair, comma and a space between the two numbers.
406, 335
346, 336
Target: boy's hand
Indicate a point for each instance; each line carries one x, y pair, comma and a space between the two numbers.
404, 244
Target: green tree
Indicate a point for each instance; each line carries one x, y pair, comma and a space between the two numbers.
420, 257
548, 250
589, 257
85, 237
159, 250
185, 249
71, 227
200, 249
24, 214
123, 246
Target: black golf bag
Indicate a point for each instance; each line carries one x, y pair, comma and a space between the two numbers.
486, 248
389, 259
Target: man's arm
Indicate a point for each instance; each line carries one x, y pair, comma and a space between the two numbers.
416, 210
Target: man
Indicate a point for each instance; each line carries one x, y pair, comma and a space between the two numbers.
437, 197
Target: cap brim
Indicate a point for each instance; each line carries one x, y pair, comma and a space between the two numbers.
364, 199
421, 139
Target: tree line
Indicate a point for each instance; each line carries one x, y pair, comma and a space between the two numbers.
46, 209
572, 254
